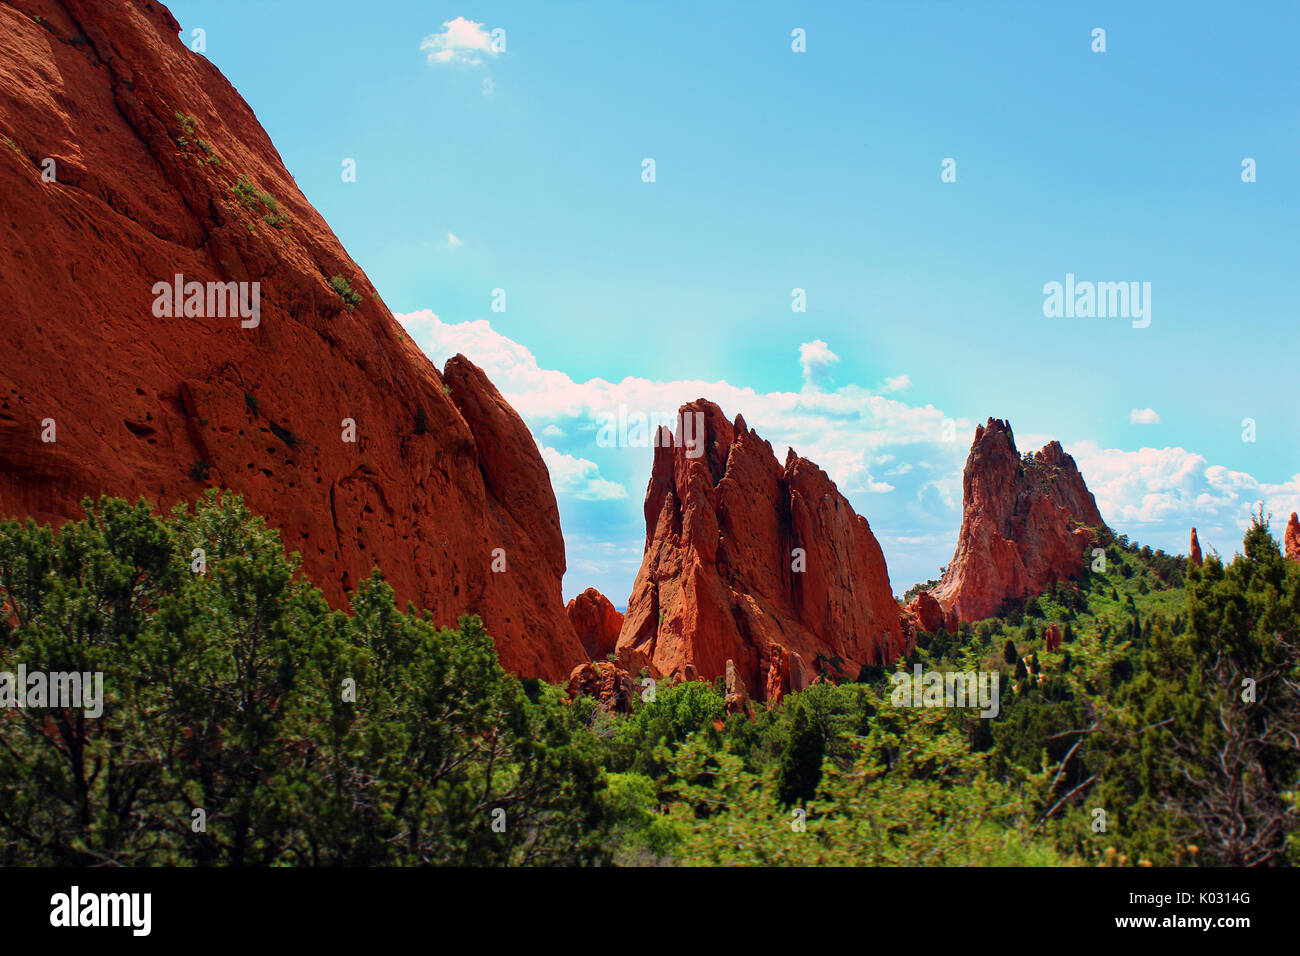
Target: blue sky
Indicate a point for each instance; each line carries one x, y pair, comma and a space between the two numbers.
820, 170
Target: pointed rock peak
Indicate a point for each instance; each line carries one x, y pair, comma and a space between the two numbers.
1022, 528
758, 562
1053, 454
1292, 540
995, 435
1195, 555
702, 423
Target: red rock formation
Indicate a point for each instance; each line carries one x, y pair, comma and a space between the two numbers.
161, 169
1024, 524
611, 687
746, 560
1052, 637
1292, 539
596, 622
924, 613
736, 700
1196, 557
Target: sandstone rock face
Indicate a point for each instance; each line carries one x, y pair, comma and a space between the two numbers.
1024, 524
161, 169
596, 622
924, 613
611, 687
1292, 540
754, 562
1195, 555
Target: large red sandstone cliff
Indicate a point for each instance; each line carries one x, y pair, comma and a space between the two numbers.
160, 168
1024, 525
754, 562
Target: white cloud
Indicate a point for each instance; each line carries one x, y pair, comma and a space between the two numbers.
1143, 416
454, 240
817, 360
1170, 489
848, 432
579, 477
899, 383
489, 87
553, 431
460, 41
887, 456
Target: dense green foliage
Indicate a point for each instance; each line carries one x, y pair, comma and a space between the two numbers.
309, 736
227, 692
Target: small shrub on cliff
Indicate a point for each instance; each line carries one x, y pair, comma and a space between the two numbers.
257, 201
350, 297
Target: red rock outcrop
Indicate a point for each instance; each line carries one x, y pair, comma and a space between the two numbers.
924, 613
750, 561
596, 622
1024, 524
610, 686
161, 169
1291, 542
1052, 637
1195, 555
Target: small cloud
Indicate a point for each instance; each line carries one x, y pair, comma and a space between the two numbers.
489, 87
899, 383
553, 431
579, 477
454, 240
1143, 416
817, 360
461, 41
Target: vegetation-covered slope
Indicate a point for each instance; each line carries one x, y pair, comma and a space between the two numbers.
1161, 730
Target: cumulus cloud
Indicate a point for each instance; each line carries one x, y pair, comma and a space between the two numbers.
579, 477
851, 425
454, 240
459, 41
899, 383
1143, 416
1170, 489
887, 456
817, 360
